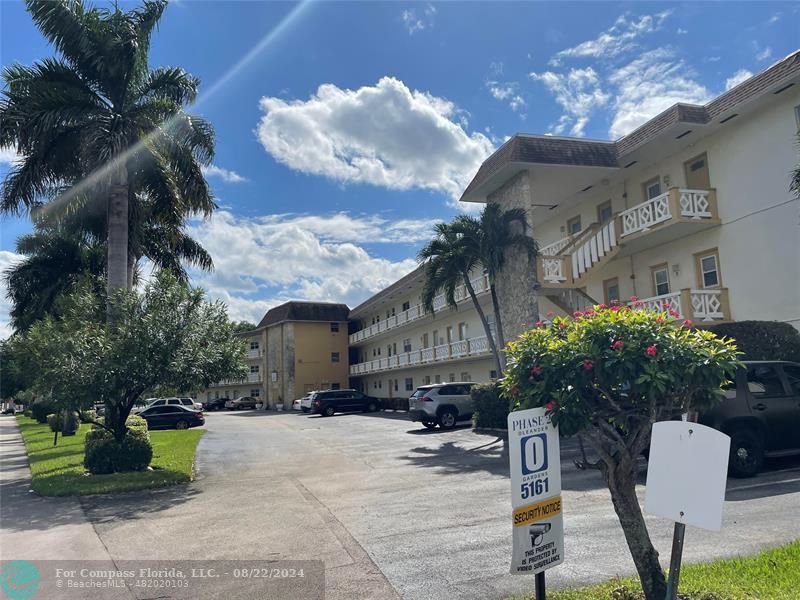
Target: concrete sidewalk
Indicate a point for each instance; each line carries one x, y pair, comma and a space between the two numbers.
36, 528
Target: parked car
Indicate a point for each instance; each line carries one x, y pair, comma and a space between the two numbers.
241, 403
761, 414
217, 403
172, 416
10, 410
329, 402
188, 402
306, 401
442, 404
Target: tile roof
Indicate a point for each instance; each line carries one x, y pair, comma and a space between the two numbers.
305, 311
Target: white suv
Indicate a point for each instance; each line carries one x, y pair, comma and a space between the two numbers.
187, 402
441, 404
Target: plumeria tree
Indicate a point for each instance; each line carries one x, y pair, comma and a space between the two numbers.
609, 373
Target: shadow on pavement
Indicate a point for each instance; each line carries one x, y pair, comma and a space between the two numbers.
107, 508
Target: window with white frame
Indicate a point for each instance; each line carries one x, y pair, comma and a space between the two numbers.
652, 188
406, 305
255, 393
451, 377
409, 384
438, 379
465, 376
334, 327
708, 270
660, 279
426, 380
254, 345
334, 357
254, 368
407, 345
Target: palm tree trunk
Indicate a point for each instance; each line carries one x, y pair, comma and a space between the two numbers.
117, 236
498, 323
485, 324
132, 261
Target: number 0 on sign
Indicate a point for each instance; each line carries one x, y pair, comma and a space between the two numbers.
537, 522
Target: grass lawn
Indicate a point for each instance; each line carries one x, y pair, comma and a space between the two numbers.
771, 575
58, 470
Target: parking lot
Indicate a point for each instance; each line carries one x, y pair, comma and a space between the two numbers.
395, 510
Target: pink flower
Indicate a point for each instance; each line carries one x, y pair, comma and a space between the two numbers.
562, 325
616, 307
651, 351
638, 303
540, 324
551, 406
588, 313
634, 298
536, 371
659, 319
530, 378
550, 314
588, 365
602, 306
618, 345
577, 314
687, 323
674, 313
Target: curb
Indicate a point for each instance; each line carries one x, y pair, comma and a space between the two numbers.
503, 433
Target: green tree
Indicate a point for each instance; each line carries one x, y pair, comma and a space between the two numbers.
448, 262
490, 239
96, 122
243, 326
607, 375
166, 335
14, 378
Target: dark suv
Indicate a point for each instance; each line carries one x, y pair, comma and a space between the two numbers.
332, 401
761, 413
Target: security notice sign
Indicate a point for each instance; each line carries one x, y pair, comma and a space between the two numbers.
538, 524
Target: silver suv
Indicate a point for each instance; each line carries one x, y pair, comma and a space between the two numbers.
441, 404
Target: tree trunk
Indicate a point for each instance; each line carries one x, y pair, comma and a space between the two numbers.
498, 323
117, 237
485, 323
132, 261
622, 485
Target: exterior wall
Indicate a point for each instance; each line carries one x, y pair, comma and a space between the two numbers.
253, 385
314, 369
516, 283
280, 364
382, 385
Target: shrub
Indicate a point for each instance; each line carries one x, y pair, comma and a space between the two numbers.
41, 408
28, 413
491, 410
57, 422
762, 340
103, 454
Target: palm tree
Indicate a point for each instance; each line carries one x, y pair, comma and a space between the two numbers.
448, 261
488, 240
97, 123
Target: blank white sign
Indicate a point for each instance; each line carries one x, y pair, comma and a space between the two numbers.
686, 473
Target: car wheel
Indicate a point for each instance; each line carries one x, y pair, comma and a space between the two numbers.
328, 412
181, 425
447, 419
429, 425
372, 407
304, 409
747, 453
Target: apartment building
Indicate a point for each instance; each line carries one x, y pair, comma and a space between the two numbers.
296, 348
395, 346
692, 210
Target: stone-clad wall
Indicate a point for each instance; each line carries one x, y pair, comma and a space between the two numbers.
515, 285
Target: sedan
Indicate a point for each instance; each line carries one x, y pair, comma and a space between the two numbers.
241, 403
217, 403
172, 416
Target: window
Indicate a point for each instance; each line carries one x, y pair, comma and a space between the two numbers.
395, 384
764, 381
380, 385
660, 275
379, 350
436, 340
375, 385
388, 350
407, 345
409, 384
451, 377
611, 290
374, 353
652, 188
254, 368
793, 377
424, 340
574, 225
604, 212
255, 393
334, 357
216, 395
426, 380
449, 333
394, 347
465, 376
492, 374
438, 379
462, 331
334, 328
335, 386
406, 305
254, 345
707, 268
235, 393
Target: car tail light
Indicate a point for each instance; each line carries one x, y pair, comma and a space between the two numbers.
426, 399
316, 402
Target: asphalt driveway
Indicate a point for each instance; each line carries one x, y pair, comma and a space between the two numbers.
397, 511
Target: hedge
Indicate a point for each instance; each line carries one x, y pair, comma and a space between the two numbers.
104, 454
41, 408
56, 422
491, 411
762, 340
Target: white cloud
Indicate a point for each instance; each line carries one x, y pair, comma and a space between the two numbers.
737, 78
416, 21
385, 135
7, 259
619, 38
764, 54
224, 174
775, 18
681, 31
8, 156
579, 93
263, 261
649, 85
506, 92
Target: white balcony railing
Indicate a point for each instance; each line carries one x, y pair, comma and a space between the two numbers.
460, 349
697, 305
479, 284
254, 353
691, 204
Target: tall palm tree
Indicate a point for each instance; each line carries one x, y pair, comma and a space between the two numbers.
97, 122
448, 261
488, 240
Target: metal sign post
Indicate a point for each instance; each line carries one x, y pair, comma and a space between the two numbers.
537, 522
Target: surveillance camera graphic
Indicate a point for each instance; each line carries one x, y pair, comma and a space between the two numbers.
537, 533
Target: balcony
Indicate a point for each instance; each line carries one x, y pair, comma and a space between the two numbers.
701, 306
416, 312
256, 353
461, 349
672, 207
250, 378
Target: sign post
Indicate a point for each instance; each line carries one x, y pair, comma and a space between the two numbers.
537, 520
686, 478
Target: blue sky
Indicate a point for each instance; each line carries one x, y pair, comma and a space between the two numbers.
344, 130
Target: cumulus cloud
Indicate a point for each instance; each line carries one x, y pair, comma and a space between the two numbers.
763, 54
506, 92
737, 78
418, 20
8, 156
619, 38
385, 135
649, 85
578, 92
226, 175
263, 261
7, 260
